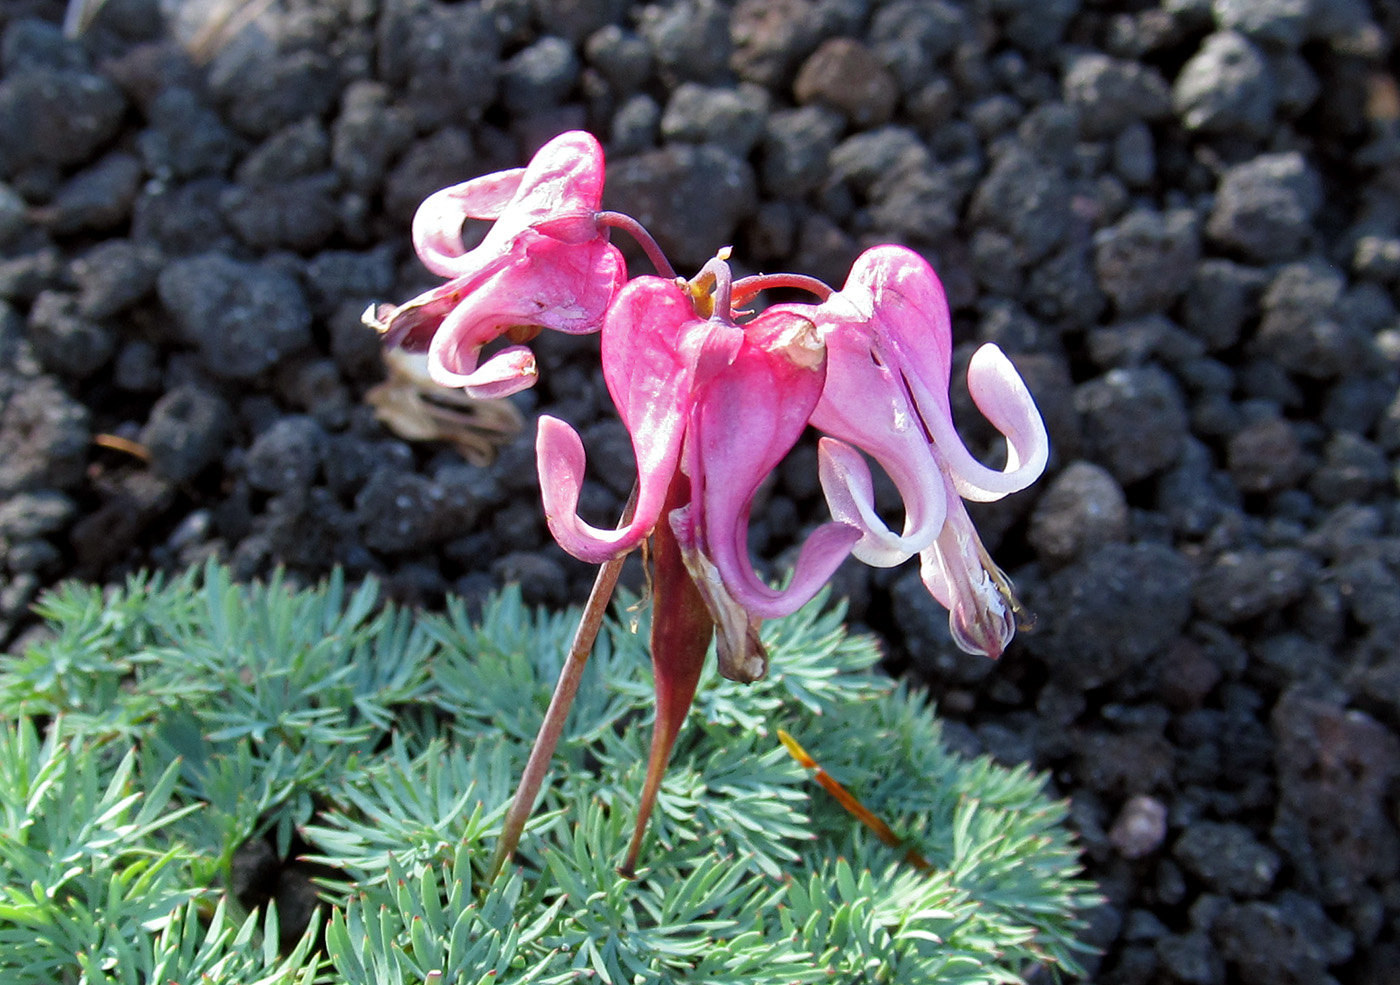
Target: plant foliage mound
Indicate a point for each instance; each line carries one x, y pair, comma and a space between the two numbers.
165, 727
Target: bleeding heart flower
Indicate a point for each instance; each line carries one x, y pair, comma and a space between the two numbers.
722, 404
889, 354
546, 263
712, 408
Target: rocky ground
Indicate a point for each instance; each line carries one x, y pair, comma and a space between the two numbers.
1182, 219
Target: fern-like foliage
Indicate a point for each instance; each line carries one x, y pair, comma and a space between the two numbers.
164, 725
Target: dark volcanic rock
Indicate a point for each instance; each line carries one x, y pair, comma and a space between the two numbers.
242, 317
186, 432
692, 198
845, 76
1329, 756
1115, 609
1227, 858
1264, 207
1134, 421
43, 435
57, 117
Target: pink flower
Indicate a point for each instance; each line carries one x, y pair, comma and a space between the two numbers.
720, 405
544, 264
889, 355
712, 408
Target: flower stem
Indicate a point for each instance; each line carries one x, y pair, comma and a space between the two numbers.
747, 287
589, 624
633, 228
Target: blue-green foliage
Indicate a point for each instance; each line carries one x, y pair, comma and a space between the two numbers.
164, 725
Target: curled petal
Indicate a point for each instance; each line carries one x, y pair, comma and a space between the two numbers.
508, 371
850, 495
560, 458
1001, 395
437, 225
539, 288
747, 416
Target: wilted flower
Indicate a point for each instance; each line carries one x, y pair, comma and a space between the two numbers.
889, 355
546, 263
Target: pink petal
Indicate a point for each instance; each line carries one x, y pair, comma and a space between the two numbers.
866, 403
1001, 395
850, 495
437, 225
747, 415
648, 350
549, 284
958, 573
560, 458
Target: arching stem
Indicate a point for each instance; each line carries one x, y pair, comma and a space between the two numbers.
633, 228
747, 288
547, 740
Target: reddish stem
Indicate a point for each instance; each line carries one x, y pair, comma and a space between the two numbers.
746, 288
633, 228
552, 728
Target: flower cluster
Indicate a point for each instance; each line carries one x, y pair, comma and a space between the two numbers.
714, 397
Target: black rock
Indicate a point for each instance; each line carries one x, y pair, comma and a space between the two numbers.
729, 118
1110, 93
541, 578
68, 343
368, 135
1352, 470
635, 126
298, 150
1266, 457
242, 317
1112, 610
689, 40
97, 199
1264, 208
1225, 89
771, 38
185, 138
299, 214
1219, 300
112, 276
1081, 510
796, 145
286, 457
912, 36
1134, 421
56, 117
621, 57
1280, 23
445, 57
1025, 199
1227, 858
44, 435
691, 198
845, 76
183, 219
1145, 261
264, 91
539, 76
186, 432
26, 516
1302, 328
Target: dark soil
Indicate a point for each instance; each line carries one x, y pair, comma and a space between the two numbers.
1181, 219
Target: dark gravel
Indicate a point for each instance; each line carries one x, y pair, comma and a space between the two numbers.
1180, 217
